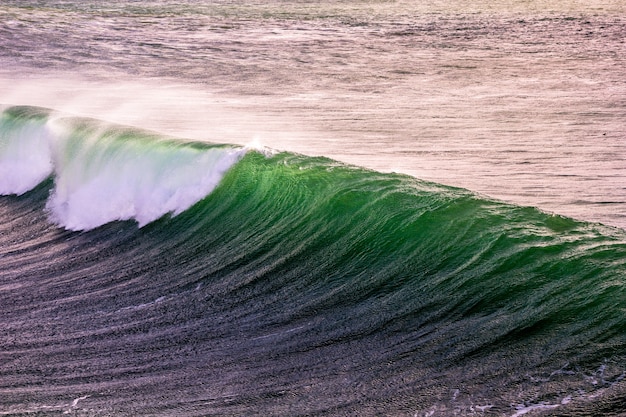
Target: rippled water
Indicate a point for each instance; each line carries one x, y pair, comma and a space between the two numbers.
299, 285
521, 102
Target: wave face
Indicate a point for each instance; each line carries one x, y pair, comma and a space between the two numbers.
292, 286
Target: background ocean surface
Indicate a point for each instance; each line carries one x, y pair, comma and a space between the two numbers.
329, 208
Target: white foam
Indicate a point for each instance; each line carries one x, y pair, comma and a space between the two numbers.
25, 159
102, 178
524, 409
257, 146
104, 173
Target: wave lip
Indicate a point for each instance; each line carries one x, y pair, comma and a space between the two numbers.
104, 173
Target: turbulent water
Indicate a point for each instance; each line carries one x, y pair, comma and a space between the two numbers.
176, 239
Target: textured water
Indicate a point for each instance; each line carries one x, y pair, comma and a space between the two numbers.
523, 102
182, 234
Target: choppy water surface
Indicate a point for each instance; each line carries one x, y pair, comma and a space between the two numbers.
523, 102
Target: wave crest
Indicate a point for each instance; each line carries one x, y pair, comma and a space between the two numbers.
25, 159
104, 173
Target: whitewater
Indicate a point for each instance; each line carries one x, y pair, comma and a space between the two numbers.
295, 208
103, 173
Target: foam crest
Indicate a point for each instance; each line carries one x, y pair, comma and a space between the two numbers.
25, 159
103, 174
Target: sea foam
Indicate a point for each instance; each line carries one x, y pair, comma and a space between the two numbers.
25, 159
104, 173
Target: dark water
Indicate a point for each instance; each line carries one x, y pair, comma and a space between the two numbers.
297, 286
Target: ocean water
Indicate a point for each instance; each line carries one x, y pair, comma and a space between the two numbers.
297, 208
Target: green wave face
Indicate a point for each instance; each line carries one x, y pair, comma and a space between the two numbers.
435, 283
